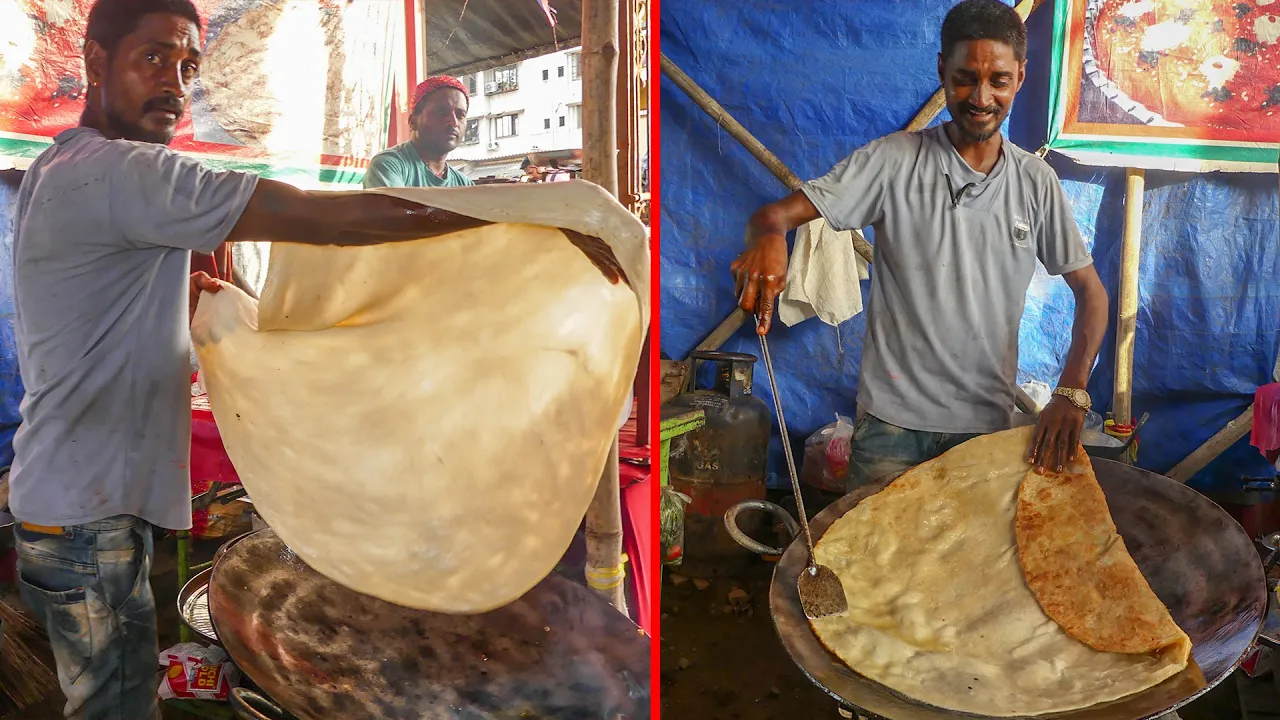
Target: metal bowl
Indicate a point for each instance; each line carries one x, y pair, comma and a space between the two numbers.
193, 606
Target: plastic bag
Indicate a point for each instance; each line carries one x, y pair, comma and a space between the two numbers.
1040, 393
826, 456
671, 527
196, 672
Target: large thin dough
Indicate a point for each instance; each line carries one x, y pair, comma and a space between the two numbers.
426, 422
939, 608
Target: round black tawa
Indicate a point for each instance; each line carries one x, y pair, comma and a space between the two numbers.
322, 651
1197, 559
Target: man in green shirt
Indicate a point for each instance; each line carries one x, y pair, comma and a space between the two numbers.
439, 115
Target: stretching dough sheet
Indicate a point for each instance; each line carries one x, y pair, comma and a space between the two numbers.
426, 422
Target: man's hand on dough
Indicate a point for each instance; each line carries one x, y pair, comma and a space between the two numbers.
200, 281
1057, 435
599, 253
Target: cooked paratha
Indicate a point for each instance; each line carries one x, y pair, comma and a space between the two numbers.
940, 609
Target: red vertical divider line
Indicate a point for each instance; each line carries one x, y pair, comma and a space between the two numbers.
655, 345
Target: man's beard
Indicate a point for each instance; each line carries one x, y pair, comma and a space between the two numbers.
974, 135
136, 133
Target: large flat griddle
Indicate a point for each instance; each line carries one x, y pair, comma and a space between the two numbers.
322, 651
1198, 560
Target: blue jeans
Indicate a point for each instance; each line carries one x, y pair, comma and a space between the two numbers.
880, 451
90, 587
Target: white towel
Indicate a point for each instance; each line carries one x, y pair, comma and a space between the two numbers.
822, 277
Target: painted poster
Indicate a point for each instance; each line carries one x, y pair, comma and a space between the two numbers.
1187, 85
298, 90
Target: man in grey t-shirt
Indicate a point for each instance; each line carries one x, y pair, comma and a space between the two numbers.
106, 220
961, 215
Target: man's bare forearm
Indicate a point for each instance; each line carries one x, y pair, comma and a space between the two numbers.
771, 223
281, 213
1087, 330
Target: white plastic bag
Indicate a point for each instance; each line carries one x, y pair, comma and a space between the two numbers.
826, 456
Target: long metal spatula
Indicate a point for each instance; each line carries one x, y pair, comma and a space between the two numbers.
821, 593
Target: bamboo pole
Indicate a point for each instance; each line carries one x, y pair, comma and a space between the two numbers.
1127, 318
604, 571
1229, 435
749, 141
600, 93
1200, 458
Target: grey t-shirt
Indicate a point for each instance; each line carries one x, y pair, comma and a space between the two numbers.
955, 252
101, 256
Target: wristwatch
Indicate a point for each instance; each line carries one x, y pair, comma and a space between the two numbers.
1078, 397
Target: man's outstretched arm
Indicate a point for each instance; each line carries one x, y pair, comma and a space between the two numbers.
278, 212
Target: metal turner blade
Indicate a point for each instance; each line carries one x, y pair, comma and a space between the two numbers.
821, 593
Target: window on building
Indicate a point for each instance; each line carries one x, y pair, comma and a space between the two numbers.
574, 70
505, 126
560, 71
546, 75
575, 116
546, 123
470, 81
503, 79
561, 121
471, 136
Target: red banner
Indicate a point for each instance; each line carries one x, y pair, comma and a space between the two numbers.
302, 83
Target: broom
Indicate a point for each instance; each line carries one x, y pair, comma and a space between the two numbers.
24, 677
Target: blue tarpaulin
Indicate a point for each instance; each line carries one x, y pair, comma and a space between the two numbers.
814, 85
10, 382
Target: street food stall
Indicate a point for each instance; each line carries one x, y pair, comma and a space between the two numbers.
575, 640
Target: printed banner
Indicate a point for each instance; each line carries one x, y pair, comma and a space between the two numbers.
298, 90
1185, 85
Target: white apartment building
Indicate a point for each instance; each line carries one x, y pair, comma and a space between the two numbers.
530, 107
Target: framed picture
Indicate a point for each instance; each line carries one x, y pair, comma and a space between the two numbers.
1187, 85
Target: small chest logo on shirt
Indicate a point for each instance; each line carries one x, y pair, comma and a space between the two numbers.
1021, 230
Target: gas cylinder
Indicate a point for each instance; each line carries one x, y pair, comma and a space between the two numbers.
720, 464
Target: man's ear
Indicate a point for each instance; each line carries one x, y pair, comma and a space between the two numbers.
1022, 72
942, 80
96, 62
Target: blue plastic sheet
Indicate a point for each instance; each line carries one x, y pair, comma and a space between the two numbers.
10, 382
814, 85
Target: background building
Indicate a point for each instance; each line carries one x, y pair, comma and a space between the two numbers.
531, 110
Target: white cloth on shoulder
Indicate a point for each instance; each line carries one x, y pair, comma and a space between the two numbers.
822, 277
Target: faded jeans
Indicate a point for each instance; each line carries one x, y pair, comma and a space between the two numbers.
90, 587
881, 451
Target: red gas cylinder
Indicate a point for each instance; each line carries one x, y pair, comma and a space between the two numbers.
720, 464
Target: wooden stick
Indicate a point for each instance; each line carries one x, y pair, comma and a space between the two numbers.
1127, 319
1229, 435
600, 166
749, 141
